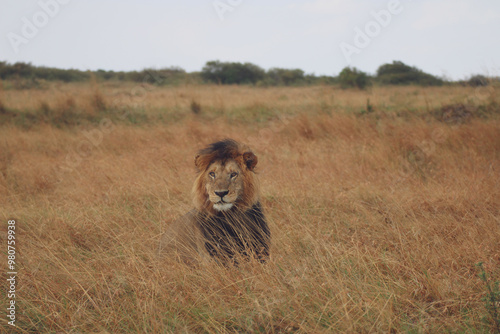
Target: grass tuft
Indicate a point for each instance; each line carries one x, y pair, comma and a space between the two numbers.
492, 298
195, 107
98, 101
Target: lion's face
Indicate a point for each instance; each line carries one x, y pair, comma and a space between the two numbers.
224, 184
226, 179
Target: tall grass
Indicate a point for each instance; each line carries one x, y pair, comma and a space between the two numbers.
378, 219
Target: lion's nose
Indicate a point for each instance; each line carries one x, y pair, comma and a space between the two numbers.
221, 194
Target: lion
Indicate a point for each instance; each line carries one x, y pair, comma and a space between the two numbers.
227, 222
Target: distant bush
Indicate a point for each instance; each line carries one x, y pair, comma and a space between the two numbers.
164, 76
455, 113
399, 73
27, 71
232, 73
352, 77
478, 81
29, 74
286, 77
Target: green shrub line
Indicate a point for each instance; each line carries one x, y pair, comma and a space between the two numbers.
27, 76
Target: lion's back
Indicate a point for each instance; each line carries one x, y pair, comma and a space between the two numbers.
182, 238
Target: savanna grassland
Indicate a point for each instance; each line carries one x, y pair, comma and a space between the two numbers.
381, 204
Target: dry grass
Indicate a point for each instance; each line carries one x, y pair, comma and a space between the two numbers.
378, 218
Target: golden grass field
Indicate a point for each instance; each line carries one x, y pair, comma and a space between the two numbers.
381, 203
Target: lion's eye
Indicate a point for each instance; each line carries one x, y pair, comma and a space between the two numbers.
233, 175
212, 174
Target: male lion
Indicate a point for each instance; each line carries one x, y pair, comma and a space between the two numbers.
227, 222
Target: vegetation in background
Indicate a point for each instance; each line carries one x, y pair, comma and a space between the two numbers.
27, 76
232, 73
399, 73
478, 81
285, 77
353, 78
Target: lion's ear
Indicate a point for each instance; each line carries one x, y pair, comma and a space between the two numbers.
197, 162
250, 160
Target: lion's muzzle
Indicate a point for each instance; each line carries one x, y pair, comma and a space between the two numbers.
220, 204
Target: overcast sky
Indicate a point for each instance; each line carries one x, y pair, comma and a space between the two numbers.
452, 38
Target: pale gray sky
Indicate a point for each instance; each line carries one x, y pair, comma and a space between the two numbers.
454, 38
